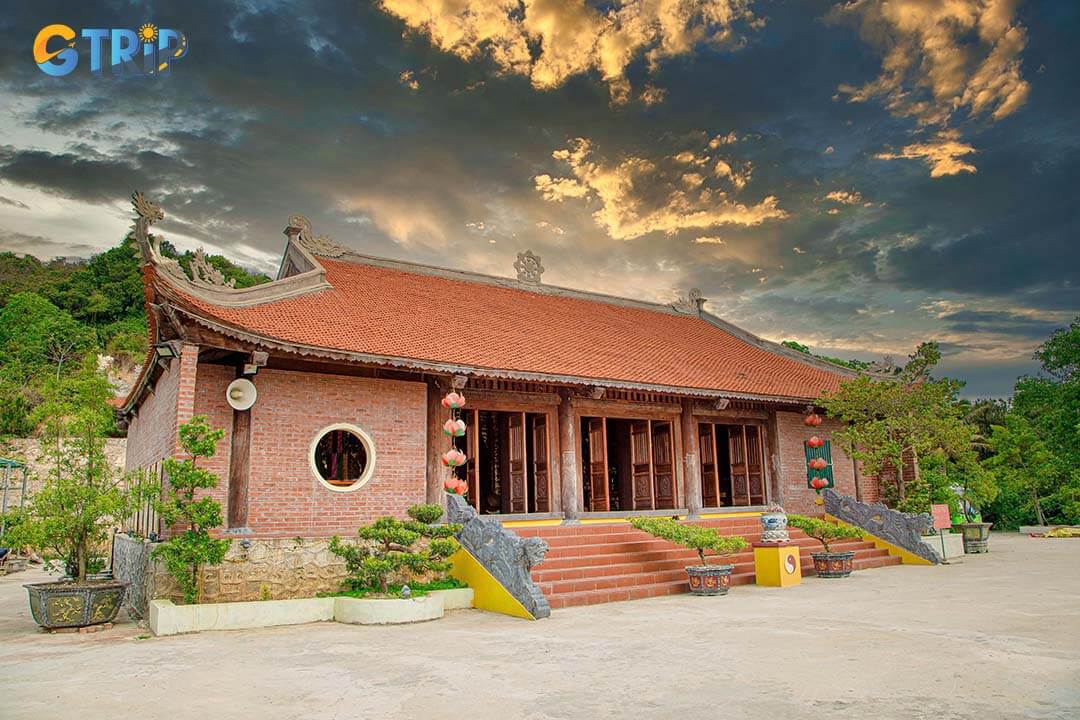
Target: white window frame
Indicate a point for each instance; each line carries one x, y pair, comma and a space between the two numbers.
369, 448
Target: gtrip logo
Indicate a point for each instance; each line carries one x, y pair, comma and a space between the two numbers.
148, 51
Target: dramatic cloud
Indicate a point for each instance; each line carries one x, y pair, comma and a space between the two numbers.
845, 197
637, 195
549, 41
944, 153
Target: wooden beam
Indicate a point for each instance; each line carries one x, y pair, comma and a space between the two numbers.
437, 473
691, 459
772, 437
629, 410
239, 468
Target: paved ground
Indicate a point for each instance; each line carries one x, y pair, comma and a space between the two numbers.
997, 636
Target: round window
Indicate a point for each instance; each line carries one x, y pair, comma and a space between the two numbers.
342, 457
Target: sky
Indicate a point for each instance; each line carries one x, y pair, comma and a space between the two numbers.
858, 176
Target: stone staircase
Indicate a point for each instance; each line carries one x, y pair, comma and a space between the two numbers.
607, 562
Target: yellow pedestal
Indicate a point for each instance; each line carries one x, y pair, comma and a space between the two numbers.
777, 564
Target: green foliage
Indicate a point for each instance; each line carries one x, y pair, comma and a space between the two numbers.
185, 554
822, 531
694, 537
418, 589
427, 514
388, 547
853, 363
1022, 463
69, 518
915, 414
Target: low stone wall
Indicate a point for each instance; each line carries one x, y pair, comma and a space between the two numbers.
131, 564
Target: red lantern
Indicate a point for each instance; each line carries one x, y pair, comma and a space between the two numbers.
813, 420
453, 400
819, 484
462, 487
815, 442
454, 428
456, 486
818, 464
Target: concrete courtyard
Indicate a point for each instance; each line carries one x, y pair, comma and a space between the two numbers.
996, 636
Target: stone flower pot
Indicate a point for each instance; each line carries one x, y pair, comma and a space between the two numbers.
709, 579
66, 604
833, 564
976, 537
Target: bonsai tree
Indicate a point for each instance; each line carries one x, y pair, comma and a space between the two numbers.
822, 531
388, 547
694, 537
68, 520
185, 554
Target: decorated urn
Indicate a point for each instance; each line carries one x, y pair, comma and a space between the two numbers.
774, 525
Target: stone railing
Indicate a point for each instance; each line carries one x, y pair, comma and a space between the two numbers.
901, 529
507, 556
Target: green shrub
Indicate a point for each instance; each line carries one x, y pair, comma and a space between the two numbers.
821, 530
185, 554
694, 537
387, 548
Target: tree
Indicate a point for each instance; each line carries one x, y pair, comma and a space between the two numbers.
1022, 461
694, 537
69, 518
35, 333
822, 531
185, 554
887, 421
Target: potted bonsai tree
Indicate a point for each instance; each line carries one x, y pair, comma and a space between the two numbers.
705, 579
69, 519
827, 564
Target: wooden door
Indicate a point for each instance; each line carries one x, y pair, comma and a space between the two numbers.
663, 465
640, 467
740, 490
540, 460
710, 477
755, 464
472, 451
517, 462
598, 466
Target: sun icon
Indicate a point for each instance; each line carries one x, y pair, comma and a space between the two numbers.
148, 33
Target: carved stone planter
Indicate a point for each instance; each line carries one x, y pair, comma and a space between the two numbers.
976, 537
67, 604
833, 564
709, 579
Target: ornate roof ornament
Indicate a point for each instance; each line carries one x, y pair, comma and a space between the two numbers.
692, 304
147, 213
300, 227
205, 274
528, 266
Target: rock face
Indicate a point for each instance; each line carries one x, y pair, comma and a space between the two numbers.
506, 556
901, 529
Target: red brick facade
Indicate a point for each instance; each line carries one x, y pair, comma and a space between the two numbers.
792, 432
152, 431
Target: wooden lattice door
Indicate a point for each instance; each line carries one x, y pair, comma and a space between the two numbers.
663, 466
710, 476
740, 490
517, 463
640, 467
540, 460
598, 466
755, 466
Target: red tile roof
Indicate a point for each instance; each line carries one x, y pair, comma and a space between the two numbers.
399, 313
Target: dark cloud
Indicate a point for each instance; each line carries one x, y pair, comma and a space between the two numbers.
300, 107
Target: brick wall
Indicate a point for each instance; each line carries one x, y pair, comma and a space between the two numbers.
152, 431
791, 433
285, 498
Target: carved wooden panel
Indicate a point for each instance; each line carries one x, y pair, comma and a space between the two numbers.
710, 478
663, 465
640, 469
540, 460
740, 488
598, 466
755, 464
517, 463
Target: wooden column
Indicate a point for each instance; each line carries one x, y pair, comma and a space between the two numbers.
691, 458
772, 450
239, 469
568, 464
437, 473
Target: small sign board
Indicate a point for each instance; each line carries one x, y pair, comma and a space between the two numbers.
942, 517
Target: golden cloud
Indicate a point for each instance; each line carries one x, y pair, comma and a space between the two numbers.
944, 153
940, 57
571, 37
637, 196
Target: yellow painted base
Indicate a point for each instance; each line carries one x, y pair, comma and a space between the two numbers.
906, 556
532, 523
777, 566
488, 593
